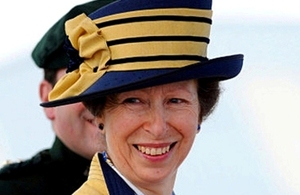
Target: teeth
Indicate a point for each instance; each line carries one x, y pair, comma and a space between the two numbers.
154, 151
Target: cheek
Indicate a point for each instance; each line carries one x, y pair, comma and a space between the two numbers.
121, 122
189, 129
116, 138
120, 129
187, 120
188, 125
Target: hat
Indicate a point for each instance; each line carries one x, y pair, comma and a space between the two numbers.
133, 44
49, 52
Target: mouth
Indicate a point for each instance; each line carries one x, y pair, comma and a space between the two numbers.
154, 151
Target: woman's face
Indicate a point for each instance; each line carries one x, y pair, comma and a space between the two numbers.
149, 132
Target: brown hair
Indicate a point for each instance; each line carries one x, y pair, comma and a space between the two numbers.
50, 75
208, 95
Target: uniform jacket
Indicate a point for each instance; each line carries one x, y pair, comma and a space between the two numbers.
55, 171
103, 180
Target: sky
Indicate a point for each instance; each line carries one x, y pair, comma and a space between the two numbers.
251, 143
26, 22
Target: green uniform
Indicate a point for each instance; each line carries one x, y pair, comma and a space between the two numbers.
54, 171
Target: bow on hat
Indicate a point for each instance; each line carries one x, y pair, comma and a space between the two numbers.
86, 38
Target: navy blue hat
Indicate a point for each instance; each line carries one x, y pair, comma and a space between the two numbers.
49, 52
133, 44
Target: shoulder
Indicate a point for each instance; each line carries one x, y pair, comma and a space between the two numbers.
11, 170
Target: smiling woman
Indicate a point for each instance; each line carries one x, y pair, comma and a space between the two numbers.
142, 70
150, 131
226, 153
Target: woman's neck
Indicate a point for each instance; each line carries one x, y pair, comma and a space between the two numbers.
163, 188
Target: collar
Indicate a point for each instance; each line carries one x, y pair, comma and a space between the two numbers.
61, 154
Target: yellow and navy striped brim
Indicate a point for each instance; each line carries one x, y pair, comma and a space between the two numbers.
132, 44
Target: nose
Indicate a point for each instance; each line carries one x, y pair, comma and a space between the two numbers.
156, 124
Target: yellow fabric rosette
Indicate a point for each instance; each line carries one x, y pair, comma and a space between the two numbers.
86, 38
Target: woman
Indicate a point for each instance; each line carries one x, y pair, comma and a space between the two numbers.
142, 70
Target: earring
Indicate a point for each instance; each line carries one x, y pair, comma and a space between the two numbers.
199, 127
101, 126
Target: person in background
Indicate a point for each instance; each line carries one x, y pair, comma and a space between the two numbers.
64, 167
140, 68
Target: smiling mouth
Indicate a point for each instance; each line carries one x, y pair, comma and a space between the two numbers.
154, 151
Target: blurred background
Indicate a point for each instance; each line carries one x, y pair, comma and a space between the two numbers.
251, 143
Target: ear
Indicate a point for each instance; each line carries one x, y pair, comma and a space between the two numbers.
44, 90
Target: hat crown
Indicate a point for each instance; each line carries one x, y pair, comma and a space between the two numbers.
122, 6
173, 32
130, 35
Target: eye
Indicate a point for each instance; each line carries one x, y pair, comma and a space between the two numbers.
131, 100
175, 100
